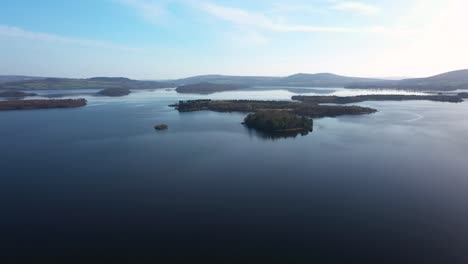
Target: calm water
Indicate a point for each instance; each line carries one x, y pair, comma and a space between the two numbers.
99, 181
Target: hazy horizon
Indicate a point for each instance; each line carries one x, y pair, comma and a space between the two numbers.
170, 39
219, 74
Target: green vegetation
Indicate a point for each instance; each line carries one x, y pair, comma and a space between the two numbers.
278, 121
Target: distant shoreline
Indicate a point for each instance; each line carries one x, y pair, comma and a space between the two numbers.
41, 104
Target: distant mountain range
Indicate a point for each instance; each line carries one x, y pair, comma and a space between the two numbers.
443, 82
446, 81
296, 80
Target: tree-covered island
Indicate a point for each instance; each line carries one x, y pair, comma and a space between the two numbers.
274, 116
286, 116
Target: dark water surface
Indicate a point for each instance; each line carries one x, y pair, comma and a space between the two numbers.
99, 182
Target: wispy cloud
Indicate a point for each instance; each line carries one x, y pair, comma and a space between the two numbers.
326, 7
252, 19
156, 11
152, 11
358, 7
16, 32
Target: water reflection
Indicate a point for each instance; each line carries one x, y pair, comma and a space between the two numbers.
275, 136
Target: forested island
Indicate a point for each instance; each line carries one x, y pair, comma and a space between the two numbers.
41, 104
279, 121
274, 116
114, 92
283, 116
299, 108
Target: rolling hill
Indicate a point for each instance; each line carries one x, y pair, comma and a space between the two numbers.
17, 78
296, 80
442, 82
91, 83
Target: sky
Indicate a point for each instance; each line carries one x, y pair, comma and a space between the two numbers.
165, 39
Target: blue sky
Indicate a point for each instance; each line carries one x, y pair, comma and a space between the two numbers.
159, 39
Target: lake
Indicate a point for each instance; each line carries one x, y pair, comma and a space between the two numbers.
100, 181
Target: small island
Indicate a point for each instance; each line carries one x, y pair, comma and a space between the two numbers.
15, 94
114, 92
161, 127
278, 122
41, 104
208, 88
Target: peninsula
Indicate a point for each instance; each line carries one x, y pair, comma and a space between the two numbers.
41, 104
377, 97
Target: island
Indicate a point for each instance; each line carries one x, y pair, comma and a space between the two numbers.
311, 110
208, 88
114, 92
278, 117
278, 121
161, 127
376, 97
41, 104
287, 116
15, 94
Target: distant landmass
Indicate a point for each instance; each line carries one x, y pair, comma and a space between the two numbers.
443, 82
41, 104
296, 80
213, 83
378, 97
208, 88
15, 94
91, 83
17, 78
